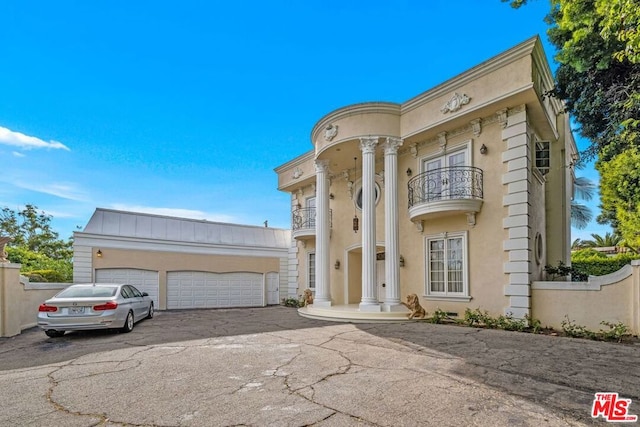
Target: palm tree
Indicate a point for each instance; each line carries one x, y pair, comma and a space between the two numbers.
577, 244
581, 214
609, 240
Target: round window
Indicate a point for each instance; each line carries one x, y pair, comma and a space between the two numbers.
539, 249
359, 196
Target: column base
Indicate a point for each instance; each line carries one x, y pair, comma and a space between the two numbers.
393, 307
370, 307
317, 303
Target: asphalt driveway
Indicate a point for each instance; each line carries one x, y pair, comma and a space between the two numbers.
269, 366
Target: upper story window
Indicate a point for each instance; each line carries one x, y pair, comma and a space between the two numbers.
446, 175
542, 157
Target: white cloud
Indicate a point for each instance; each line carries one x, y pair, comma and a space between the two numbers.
175, 212
16, 154
17, 139
62, 190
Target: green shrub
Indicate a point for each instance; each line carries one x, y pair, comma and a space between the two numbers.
508, 323
587, 254
291, 302
571, 329
438, 316
615, 332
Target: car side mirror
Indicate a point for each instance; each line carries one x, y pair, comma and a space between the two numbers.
144, 294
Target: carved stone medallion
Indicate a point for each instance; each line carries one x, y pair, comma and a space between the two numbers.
330, 132
455, 103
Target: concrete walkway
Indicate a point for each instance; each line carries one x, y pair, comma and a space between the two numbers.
259, 367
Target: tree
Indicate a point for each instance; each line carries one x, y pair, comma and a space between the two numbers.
32, 229
598, 79
599, 73
581, 214
35, 245
609, 240
577, 244
620, 195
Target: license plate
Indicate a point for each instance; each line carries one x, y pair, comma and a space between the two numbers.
76, 310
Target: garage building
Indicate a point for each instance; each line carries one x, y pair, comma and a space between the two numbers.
184, 263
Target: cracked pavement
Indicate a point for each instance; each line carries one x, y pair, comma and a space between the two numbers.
268, 366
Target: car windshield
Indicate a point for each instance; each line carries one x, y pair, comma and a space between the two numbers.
88, 291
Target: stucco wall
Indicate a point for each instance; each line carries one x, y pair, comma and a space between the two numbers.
19, 301
613, 298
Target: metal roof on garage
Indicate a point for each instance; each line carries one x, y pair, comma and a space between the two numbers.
148, 226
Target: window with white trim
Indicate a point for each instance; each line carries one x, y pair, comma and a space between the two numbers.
447, 265
311, 270
444, 178
542, 157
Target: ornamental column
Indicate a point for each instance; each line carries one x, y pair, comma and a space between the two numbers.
323, 290
391, 227
369, 301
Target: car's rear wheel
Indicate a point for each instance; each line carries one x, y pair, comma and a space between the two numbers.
128, 324
54, 334
150, 313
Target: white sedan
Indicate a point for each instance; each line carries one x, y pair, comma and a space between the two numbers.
94, 306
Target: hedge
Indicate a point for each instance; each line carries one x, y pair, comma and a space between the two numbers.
598, 266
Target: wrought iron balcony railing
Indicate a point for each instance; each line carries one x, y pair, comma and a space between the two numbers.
458, 182
305, 218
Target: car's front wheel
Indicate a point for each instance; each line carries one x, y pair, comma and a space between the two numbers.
54, 334
150, 313
128, 324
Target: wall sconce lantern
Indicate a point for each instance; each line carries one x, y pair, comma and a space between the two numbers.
483, 149
337, 265
401, 261
99, 253
355, 224
331, 196
409, 172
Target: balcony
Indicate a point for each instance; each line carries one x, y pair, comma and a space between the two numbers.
304, 223
445, 191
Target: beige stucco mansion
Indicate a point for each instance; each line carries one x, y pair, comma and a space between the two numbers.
460, 195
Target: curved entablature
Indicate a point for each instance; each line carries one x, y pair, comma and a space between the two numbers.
356, 121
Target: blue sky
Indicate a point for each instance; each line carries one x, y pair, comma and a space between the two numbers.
185, 107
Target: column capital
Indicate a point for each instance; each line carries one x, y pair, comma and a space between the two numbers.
392, 144
368, 144
322, 166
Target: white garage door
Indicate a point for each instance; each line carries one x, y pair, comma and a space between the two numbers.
144, 280
197, 289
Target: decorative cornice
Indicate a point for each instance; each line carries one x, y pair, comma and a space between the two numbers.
502, 117
416, 146
476, 126
351, 110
